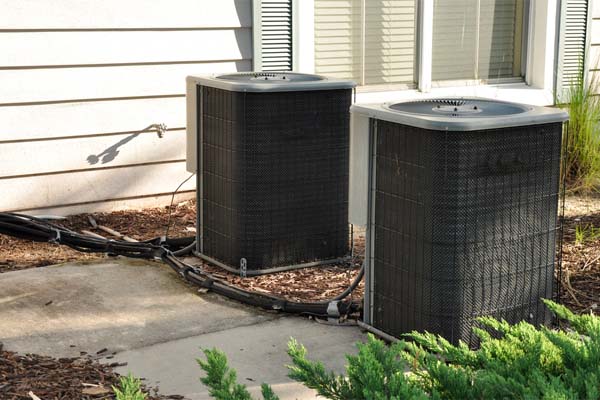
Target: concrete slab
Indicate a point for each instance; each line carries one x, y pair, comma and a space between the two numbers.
157, 324
118, 304
257, 352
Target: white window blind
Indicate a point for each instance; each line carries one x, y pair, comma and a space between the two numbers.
338, 30
477, 39
273, 36
369, 41
572, 45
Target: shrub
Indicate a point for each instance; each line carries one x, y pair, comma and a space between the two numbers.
221, 380
582, 149
130, 388
513, 362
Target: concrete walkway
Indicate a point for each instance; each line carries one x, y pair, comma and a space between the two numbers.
257, 352
156, 323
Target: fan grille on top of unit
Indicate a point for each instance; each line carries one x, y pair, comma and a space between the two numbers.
275, 77
458, 107
450, 102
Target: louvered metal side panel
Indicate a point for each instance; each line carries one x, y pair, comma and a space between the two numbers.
572, 45
276, 35
477, 39
464, 226
275, 176
338, 47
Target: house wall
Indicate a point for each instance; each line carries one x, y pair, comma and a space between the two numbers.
81, 80
594, 50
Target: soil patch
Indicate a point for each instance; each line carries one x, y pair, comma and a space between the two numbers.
580, 275
59, 379
580, 278
306, 284
16, 254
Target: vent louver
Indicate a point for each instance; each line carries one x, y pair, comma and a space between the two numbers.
276, 35
572, 45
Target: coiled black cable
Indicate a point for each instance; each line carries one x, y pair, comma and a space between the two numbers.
38, 230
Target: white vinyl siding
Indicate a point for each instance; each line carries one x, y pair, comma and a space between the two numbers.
572, 44
476, 39
82, 80
274, 35
369, 41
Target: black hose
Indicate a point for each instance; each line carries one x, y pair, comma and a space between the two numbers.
185, 250
29, 228
340, 296
353, 285
172, 242
266, 271
205, 280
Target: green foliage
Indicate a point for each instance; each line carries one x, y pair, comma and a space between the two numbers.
582, 152
130, 388
513, 362
377, 372
585, 233
222, 380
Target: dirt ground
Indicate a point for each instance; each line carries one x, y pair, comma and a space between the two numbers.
309, 284
85, 378
580, 276
81, 378
144, 224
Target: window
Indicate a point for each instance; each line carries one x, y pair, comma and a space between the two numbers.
369, 41
399, 44
374, 41
477, 39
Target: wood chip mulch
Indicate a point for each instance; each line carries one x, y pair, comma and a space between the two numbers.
580, 277
580, 288
16, 254
59, 379
307, 284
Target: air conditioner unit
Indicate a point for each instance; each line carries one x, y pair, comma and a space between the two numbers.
459, 197
271, 154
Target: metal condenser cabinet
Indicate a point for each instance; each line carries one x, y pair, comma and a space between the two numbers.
460, 200
271, 151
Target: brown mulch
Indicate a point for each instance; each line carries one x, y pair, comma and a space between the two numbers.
306, 284
16, 254
580, 287
580, 276
59, 379
309, 284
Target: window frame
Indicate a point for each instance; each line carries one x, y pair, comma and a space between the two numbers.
539, 52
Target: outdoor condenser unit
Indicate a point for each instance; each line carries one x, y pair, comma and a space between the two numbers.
460, 198
271, 153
